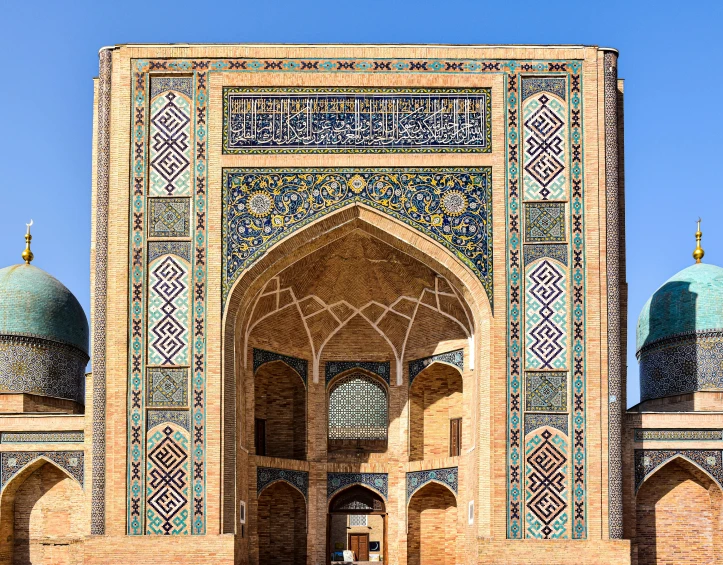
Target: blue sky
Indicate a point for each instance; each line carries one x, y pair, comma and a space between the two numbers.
669, 58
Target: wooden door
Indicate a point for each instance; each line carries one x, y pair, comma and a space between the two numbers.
359, 544
260, 436
455, 437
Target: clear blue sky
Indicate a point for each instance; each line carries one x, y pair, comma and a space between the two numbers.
670, 58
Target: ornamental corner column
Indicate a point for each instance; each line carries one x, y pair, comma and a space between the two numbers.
615, 361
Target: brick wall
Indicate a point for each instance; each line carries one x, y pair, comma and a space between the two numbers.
282, 526
432, 531
280, 399
676, 519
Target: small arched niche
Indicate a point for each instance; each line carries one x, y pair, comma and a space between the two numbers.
279, 412
678, 516
432, 526
42, 518
436, 413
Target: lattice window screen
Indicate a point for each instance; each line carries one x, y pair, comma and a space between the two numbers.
357, 520
358, 409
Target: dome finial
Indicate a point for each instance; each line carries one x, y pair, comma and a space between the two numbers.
698, 253
27, 254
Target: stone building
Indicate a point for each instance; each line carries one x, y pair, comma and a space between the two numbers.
357, 298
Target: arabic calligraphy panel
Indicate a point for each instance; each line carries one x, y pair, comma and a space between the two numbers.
374, 120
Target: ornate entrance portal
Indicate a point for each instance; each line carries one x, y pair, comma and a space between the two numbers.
356, 522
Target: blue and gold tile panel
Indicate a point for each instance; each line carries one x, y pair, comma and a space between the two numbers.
417, 479
544, 221
167, 387
557, 421
345, 120
534, 251
180, 249
454, 358
450, 205
301, 366
546, 391
339, 481
266, 476
380, 368
180, 418
169, 217
648, 460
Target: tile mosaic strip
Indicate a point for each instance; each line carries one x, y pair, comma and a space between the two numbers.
355, 120
12, 462
180, 418
648, 460
380, 368
454, 358
338, 481
301, 366
41, 437
678, 435
266, 476
557, 421
533, 252
417, 479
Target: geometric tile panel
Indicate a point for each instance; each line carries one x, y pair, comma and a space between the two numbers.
159, 85
678, 435
546, 492
169, 217
261, 357
358, 409
417, 479
544, 221
11, 462
168, 312
266, 476
170, 145
557, 421
158, 417
648, 460
534, 251
356, 120
682, 364
181, 249
546, 392
546, 316
449, 205
41, 437
379, 368
167, 482
454, 358
167, 387
544, 147
338, 481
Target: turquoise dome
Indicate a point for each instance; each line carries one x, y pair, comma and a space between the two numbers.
689, 302
33, 303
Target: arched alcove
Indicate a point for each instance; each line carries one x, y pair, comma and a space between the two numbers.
357, 522
279, 412
678, 516
42, 517
435, 404
432, 526
281, 526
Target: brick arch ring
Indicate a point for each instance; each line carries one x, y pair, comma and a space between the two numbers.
296, 365
708, 462
416, 480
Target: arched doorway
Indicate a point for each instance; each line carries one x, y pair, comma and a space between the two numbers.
282, 525
432, 526
356, 522
43, 519
436, 413
678, 511
279, 412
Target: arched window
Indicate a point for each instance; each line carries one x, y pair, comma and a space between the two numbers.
357, 410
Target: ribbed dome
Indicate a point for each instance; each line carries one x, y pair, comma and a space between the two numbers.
689, 302
33, 303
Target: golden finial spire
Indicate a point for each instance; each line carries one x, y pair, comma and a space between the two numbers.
698, 253
27, 254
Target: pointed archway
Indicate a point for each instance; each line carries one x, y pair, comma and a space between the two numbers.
357, 523
432, 526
